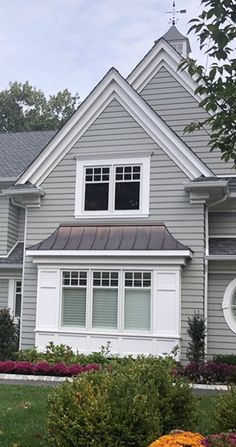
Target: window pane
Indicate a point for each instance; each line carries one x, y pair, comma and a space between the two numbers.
73, 307
127, 195
105, 308
233, 304
137, 309
96, 196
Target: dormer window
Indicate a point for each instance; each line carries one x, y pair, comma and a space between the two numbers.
112, 187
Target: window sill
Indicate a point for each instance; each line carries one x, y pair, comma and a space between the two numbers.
100, 216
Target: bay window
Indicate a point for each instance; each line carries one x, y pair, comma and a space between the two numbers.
107, 300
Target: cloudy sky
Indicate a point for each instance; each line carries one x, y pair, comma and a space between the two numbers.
57, 44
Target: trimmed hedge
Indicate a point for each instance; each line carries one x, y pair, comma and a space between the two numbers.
46, 369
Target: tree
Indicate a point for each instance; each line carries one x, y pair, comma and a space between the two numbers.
215, 28
197, 333
8, 335
23, 107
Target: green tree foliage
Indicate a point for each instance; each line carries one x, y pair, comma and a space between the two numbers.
23, 107
197, 333
215, 28
8, 335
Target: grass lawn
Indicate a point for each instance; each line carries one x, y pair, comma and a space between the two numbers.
23, 413
24, 409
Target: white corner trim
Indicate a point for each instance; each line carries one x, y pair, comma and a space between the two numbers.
226, 305
113, 86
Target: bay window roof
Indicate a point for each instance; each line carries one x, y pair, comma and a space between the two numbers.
110, 237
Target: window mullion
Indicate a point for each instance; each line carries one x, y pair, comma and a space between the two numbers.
89, 301
121, 301
112, 189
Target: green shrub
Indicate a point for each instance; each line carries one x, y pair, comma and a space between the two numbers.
197, 333
223, 415
228, 359
130, 404
8, 335
64, 354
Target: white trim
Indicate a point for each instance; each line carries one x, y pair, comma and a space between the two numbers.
11, 250
144, 181
221, 257
112, 334
226, 305
218, 236
113, 86
11, 296
161, 55
109, 253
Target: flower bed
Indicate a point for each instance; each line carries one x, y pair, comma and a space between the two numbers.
46, 369
179, 438
209, 372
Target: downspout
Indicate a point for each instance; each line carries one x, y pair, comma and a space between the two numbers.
206, 264
23, 267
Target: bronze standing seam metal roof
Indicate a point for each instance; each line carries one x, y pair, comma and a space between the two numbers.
110, 237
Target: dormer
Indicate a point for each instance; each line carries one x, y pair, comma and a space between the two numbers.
178, 41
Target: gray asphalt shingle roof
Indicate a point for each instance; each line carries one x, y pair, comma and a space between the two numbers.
19, 149
15, 257
222, 246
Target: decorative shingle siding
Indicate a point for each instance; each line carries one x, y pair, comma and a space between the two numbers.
114, 132
178, 108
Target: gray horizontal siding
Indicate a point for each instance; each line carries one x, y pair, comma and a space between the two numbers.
221, 340
222, 224
179, 108
21, 224
4, 210
3, 293
169, 203
12, 234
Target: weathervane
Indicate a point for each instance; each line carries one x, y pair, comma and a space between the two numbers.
174, 20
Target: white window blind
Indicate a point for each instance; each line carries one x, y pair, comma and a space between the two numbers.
105, 308
233, 304
137, 309
74, 307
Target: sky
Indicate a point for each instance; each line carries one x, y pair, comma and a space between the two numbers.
58, 44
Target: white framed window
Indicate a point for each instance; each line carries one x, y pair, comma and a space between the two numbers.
15, 297
104, 300
74, 297
112, 187
229, 305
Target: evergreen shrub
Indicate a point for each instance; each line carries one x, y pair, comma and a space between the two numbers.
128, 404
8, 335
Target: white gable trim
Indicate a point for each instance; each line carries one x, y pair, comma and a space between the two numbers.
113, 86
161, 55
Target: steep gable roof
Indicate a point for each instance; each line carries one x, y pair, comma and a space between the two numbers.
162, 54
19, 149
113, 85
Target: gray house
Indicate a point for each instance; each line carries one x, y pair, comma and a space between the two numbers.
119, 226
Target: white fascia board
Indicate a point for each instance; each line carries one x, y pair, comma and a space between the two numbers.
109, 253
205, 185
221, 257
161, 54
11, 266
112, 87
